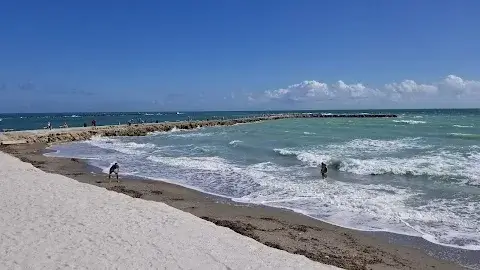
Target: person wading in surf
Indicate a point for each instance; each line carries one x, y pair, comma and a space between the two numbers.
324, 170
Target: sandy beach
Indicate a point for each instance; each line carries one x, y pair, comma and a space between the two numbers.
51, 221
243, 135
277, 228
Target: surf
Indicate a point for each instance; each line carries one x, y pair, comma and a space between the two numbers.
382, 177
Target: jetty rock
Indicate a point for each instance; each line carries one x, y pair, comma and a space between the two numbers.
85, 133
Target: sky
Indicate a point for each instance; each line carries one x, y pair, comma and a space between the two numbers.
59, 56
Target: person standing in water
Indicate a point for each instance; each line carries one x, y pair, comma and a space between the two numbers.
324, 170
114, 169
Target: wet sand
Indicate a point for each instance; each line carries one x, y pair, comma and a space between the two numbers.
274, 227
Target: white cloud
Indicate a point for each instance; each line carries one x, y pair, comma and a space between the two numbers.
411, 87
408, 91
354, 91
459, 86
300, 92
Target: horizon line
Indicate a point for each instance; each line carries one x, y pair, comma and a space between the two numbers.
276, 110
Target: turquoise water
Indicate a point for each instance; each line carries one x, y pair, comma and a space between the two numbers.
418, 174
29, 121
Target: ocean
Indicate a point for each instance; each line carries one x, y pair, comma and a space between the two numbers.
418, 174
30, 121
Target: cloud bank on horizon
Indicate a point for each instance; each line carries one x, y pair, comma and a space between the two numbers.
451, 91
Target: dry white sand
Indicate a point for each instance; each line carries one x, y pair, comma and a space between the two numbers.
48, 221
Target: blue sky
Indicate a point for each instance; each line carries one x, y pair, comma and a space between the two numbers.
237, 55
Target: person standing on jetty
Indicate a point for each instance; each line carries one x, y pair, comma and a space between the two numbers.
114, 169
324, 170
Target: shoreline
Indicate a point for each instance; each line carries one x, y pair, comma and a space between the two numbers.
275, 227
52, 221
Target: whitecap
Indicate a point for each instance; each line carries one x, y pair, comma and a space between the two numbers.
358, 146
411, 122
440, 163
235, 142
362, 146
191, 134
197, 163
131, 148
374, 207
465, 136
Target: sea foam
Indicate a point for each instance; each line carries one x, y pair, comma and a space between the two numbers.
347, 157
406, 195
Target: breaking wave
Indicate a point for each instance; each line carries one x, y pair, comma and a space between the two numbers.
465, 136
131, 148
350, 157
421, 188
197, 163
411, 122
190, 134
235, 142
460, 126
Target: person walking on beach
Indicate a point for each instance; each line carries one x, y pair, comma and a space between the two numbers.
94, 123
324, 170
49, 125
114, 169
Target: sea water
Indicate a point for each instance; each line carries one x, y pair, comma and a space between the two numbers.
418, 174
32, 121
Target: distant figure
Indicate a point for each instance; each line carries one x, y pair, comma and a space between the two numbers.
84, 124
49, 125
129, 122
156, 121
324, 170
94, 123
114, 169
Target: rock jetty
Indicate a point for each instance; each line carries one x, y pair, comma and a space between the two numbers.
85, 133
